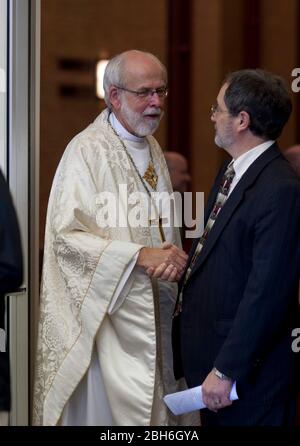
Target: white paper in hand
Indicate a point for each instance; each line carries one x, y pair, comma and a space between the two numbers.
190, 399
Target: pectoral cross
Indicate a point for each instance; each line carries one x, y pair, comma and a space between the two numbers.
151, 176
159, 222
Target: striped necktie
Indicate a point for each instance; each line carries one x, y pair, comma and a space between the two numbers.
219, 203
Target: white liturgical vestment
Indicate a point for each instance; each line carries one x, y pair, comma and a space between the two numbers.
104, 354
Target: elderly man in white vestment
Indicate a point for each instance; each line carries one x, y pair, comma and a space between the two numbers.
108, 291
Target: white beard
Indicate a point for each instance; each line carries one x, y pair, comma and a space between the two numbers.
138, 123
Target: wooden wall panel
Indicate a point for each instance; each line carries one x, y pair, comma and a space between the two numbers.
207, 73
279, 50
230, 35
218, 43
179, 68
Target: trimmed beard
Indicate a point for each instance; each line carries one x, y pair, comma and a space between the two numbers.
136, 121
225, 140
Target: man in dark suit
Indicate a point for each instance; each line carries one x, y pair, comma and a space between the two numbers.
10, 279
238, 301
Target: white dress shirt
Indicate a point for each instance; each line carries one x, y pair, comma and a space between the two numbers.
243, 162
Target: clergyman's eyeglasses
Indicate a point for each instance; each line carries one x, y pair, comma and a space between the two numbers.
146, 93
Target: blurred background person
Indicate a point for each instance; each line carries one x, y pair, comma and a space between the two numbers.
180, 179
292, 154
179, 171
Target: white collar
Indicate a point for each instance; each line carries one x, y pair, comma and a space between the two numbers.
121, 131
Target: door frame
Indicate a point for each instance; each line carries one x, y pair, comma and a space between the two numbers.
23, 178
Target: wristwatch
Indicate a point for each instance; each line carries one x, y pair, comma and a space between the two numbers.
220, 375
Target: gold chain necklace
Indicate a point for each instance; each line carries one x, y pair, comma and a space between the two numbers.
150, 174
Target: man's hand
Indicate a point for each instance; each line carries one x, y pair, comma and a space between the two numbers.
216, 392
166, 263
165, 272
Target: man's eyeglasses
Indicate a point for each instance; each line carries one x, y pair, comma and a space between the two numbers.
216, 109
146, 93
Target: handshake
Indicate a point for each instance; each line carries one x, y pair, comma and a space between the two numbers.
165, 263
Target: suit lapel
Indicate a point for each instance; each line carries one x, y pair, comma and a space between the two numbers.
208, 207
214, 192
232, 202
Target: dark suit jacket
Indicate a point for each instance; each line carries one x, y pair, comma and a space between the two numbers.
240, 302
10, 275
